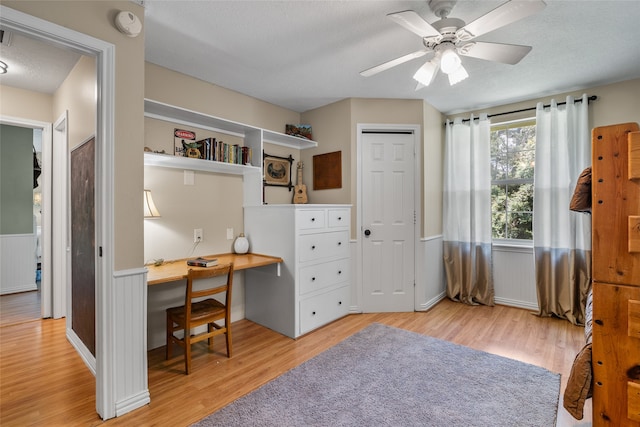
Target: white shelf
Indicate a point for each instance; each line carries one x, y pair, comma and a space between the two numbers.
177, 162
158, 110
287, 140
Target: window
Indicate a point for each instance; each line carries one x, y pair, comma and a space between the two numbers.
512, 163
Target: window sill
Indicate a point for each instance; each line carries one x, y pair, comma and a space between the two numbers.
524, 246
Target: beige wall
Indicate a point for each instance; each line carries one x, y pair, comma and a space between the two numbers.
96, 19
616, 103
331, 126
26, 104
170, 87
433, 155
77, 95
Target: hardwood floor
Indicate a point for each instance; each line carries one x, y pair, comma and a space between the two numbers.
44, 382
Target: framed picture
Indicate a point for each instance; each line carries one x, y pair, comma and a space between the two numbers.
277, 170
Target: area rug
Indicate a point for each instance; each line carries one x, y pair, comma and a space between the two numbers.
384, 376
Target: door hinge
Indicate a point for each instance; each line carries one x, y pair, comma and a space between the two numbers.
100, 251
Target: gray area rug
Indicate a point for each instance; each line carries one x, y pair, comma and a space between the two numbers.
384, 376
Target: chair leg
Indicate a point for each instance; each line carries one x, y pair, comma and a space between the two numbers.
228, 335
187, 350
169, 340
210, 328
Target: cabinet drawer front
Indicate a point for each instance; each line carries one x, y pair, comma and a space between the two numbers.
310, 220
324, 245
321, 309
316, 277
339, 218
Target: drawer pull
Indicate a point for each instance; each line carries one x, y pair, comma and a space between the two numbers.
339, 218
313, 247
339, 243
313, 279
313, 313
339, 302
313, 219
339, 271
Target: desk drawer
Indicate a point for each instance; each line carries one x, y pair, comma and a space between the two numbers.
310, 219
324, 245
321, 309
316, 277
339, 218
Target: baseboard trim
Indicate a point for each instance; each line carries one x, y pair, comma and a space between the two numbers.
515, 303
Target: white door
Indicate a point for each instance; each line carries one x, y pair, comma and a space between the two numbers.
388, 221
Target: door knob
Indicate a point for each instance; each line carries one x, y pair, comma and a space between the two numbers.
367, 232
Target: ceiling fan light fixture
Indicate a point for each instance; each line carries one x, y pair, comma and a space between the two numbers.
457, 76
426, 73
450, 62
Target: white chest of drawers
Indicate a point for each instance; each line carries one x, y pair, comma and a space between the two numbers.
313, 288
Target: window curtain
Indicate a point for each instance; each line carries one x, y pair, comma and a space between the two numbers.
561, 238
467, 211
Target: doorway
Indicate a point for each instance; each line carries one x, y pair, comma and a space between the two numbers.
104, 53
387, 214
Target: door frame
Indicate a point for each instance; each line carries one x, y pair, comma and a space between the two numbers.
47, 290
356, 306
104, 52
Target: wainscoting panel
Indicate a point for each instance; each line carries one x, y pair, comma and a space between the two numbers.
430, 277
130, 340
17, 263
514, 277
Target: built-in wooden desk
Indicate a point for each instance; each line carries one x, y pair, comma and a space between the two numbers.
172, 271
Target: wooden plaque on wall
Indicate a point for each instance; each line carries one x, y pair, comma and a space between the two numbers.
327, 171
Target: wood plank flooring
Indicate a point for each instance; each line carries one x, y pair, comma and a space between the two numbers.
44, 382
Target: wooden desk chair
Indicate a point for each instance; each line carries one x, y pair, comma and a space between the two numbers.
197, 311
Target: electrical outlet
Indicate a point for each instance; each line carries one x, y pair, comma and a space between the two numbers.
197, 235
229, 233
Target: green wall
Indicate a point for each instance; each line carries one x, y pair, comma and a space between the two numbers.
16, 180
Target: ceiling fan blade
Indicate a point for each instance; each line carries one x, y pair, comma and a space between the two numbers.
498, 52
390, 64
414, 23
504, 14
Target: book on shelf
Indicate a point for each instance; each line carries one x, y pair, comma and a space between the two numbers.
202, 262
219, 151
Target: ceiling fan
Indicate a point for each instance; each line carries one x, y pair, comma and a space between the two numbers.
448, 38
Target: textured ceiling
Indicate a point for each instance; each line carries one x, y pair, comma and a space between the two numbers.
305, 54
308, 53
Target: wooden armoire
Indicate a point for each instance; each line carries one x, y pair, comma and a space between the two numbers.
616, 275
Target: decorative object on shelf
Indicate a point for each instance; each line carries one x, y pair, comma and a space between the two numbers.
241, 245
327, 171
301, 131
150, 210
192, 150
180, 138
300, 190
277, 170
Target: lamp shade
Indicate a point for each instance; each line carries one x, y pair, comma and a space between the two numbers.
150, 210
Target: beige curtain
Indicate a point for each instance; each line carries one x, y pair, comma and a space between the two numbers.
467, 212
563, 279
561, 237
